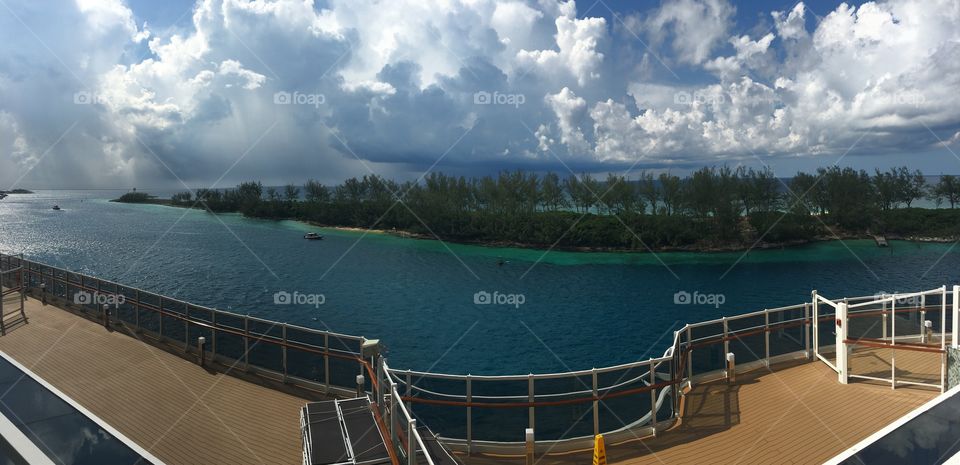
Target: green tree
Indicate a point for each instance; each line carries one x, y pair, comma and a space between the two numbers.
316, 192
291, 192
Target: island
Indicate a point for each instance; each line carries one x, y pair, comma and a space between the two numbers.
141, 197
713, 209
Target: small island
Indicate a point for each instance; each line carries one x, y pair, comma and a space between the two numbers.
141, 197
16, 191
713, 209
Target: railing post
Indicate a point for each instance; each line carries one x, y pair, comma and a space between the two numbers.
380, 380
409, 394
186, 326
766, 338
893, 342
596, 404
943, 339
886, 318
159, 315
675, 370
806, 331
923, 307
841, 345
469, 415
816, 324
393, 412
689, 366
213, 335
943, 317
326, 360
726, 340
23, 284
411, 442
653, 398
136, 309
246, 342
955, 310
530, 398
284, 352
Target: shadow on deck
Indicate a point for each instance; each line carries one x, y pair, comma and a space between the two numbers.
798, 413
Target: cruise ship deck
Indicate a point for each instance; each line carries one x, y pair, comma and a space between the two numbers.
796, 414
182, 413
170, 406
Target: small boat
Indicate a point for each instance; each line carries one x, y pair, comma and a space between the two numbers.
313, 237
56, 207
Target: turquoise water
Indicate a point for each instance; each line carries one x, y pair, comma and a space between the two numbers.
579, 310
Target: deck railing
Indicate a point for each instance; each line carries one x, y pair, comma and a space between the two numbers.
318, 360
479, 413
473, 413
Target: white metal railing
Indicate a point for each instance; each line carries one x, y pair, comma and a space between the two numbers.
395, 412
923, 322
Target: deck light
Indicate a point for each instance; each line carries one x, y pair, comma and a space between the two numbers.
528, 435
731, 367
360, 383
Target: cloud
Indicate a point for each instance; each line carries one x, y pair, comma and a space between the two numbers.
695, 27
479, 84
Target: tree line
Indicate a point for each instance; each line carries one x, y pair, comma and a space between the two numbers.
713, 207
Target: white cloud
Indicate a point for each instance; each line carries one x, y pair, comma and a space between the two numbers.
696, 27
578, 41
398, 81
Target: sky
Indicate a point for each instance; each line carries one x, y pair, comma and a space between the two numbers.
138, 93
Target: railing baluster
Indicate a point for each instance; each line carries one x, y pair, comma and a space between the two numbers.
136, 309
469, 415
766, 334
284, 352
213, 335
160, 316
246, 342
596, 404
530, 397
326, 360
653, 398
186, 326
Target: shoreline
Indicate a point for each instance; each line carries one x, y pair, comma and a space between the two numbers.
588, 249
695, 248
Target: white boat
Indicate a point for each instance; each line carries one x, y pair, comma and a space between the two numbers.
312, 236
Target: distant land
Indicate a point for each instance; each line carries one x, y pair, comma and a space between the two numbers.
16, 191
714, 209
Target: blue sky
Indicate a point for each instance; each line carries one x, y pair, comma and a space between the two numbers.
113, 93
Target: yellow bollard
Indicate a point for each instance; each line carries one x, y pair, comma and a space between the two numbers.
599, 451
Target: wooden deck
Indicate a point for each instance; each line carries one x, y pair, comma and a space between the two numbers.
170, 406
798, 414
